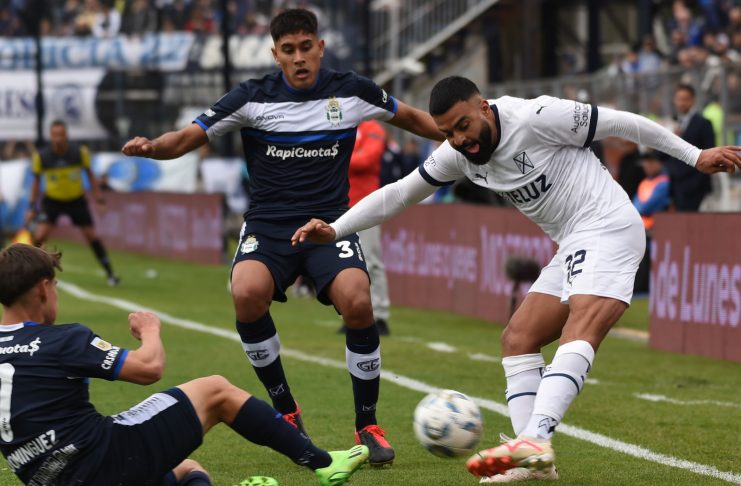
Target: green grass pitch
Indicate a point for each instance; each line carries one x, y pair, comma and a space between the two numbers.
702, 427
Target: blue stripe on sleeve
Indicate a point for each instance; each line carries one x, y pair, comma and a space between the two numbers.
200, 124
119, 365
396, 105
431, 180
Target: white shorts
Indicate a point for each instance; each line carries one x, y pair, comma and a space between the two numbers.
599, 261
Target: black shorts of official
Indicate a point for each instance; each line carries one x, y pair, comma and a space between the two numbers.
270, 243
77, 209
145, 446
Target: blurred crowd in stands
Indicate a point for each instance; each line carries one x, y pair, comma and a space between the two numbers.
107, 18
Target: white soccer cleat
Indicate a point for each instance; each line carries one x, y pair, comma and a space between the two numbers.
534, 454
521, 474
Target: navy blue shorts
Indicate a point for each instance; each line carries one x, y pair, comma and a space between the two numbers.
149, 440
77, 210
270, 243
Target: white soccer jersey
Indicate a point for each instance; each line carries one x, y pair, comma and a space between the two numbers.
542, 164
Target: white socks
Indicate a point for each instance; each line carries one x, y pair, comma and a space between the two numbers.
562, 381
523, 374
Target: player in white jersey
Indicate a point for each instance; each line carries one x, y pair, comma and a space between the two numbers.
536, 154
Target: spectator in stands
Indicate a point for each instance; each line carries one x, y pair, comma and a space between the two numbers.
107, 21
138, 18
683, 21
652, 197
364, 175
649, 57
17, 149
689, 186
621, 157
177, 11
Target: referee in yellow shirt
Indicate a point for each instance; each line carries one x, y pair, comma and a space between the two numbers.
62, 164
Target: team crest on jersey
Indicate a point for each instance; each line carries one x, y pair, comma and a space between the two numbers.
250, 244
523, 162
334, 111
100, 344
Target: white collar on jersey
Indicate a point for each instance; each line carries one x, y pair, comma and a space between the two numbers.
10, 327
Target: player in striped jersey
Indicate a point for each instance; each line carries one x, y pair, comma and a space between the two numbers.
298, 131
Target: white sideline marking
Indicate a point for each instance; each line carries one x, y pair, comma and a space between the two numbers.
416, 385
663, 398
442, 347
328, 323
485, 357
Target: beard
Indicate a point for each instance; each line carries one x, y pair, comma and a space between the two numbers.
485, 147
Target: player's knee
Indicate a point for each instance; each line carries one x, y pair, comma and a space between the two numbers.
216, 383
250, 302
516, 342
357, 311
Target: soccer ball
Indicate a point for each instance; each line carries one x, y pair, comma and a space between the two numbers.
448, 423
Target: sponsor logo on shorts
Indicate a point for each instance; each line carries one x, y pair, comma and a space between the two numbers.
250, 244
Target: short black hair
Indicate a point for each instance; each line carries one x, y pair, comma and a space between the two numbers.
685, 87
293, 21
58, 122
449, 91
23, 266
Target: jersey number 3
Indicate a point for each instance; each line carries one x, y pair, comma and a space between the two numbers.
6, 389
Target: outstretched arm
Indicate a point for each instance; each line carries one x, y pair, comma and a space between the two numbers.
416, 121
170, 145
372, 210
643, 131
145, 364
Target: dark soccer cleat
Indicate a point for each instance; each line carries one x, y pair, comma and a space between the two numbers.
383, 327
295, 420
381, 452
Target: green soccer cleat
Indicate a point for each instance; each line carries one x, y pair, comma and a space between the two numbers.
344, 464
258, 481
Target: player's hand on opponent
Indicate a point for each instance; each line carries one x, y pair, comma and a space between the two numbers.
719, 159
316, 231
139, 146
142, 322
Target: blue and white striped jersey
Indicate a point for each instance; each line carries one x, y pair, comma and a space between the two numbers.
298, 143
